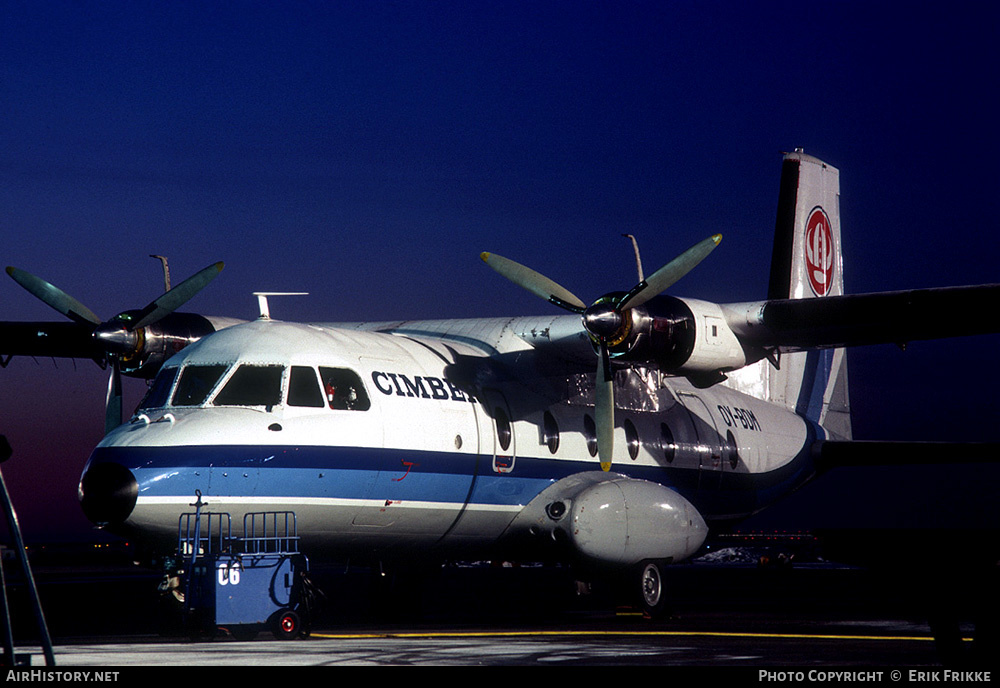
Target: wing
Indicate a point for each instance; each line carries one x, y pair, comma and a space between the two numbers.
49, 340
897, 317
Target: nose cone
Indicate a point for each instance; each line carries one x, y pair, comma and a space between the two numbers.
107, 493
602, 320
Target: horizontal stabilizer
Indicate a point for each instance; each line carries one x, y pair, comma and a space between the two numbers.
835, 454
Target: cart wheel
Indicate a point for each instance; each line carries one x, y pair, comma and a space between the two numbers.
287, 625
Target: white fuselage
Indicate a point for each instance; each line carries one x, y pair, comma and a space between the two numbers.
456, 427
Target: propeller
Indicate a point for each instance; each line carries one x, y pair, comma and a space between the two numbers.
607, 320
121, 335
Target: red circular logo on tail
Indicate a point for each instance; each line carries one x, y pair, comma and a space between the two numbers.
819, 252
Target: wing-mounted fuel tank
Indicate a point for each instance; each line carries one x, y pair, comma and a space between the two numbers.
683, 337
610, 519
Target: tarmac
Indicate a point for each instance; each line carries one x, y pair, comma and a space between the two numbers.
890, 645
736, 615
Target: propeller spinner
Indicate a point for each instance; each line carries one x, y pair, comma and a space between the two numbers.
607, 320
120, 336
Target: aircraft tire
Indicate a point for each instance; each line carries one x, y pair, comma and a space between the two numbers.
652, 589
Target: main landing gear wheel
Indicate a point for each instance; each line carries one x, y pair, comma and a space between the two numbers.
287, 625
652, 590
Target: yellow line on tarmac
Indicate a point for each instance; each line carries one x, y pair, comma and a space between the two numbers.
647, 634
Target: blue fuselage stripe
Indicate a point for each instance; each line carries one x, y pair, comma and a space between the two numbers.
355, 473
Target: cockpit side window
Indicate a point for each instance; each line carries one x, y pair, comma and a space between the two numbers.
159, 391
303, 388
195, 383
344, 389
252, 385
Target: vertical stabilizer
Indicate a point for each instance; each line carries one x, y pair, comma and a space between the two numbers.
807, 263
806, 260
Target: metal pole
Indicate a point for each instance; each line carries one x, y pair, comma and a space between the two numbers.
8, 638
15, 530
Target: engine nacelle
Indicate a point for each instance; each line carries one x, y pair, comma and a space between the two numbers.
155, 343
683, 337
614, 520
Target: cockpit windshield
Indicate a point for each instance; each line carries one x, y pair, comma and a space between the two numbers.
257, 384
196, 382
303, 388
252, 385
159, 391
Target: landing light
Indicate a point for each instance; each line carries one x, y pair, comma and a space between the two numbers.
556, 510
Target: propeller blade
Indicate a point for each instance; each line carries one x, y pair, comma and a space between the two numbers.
113, 403
176, 297
604, 321
54, 297
536, 283
669, 274
604, 410
89, 336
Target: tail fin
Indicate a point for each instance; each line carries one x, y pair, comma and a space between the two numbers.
806, 262
806, 259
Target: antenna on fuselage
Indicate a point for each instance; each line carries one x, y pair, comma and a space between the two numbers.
265, 311
166, 271
638, 260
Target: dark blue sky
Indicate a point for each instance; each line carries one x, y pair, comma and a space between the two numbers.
367, 152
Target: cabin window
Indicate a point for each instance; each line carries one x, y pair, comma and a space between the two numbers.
344, 390
195, 383
303, 388
631, 439
667, 443
252, 385
504, 432
590, 433
550, 432
159, 391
